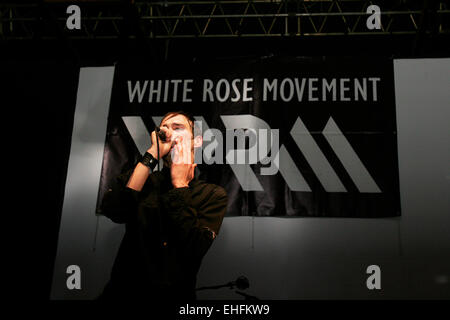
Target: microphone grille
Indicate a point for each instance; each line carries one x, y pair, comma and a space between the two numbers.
161, 134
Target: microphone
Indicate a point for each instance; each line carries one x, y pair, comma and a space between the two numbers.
241, 283
161, 134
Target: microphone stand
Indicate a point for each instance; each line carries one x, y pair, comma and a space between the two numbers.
241, 283
157, 144
246, 296
229, 284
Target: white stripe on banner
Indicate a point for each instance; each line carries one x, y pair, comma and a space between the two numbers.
290, 172
350, 160
157, 120
243, 172
316, 159
138, 132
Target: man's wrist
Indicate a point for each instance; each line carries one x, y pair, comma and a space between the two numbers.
153, 152
149, 161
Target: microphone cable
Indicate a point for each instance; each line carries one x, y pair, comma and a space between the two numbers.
157, 129
162, 235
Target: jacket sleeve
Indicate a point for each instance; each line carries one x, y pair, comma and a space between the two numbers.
119, 202
196, 228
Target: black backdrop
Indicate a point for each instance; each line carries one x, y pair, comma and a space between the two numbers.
39, 102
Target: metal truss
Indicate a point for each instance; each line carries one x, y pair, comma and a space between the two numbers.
216, 19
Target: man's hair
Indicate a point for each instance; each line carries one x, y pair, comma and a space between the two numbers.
191, 120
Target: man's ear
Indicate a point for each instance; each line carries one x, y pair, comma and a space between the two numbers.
198, 141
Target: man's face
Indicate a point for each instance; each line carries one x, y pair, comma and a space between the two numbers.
176, 127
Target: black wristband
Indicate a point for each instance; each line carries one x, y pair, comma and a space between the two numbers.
149, 161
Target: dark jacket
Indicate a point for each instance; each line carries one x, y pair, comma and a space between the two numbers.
168, 231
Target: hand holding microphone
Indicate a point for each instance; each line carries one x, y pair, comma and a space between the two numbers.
164, 142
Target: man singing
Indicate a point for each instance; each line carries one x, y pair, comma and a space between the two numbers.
171, 218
